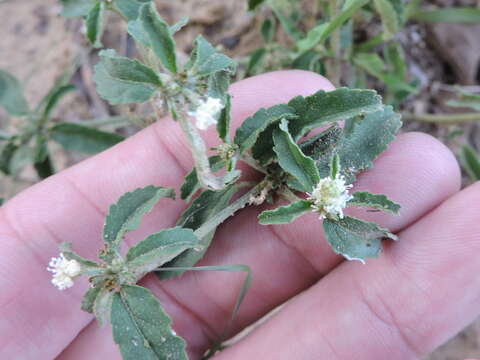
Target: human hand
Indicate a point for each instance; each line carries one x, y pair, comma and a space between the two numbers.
420, 291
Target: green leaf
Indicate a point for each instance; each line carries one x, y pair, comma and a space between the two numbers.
249, 132
191, 184
374, 201
159, 248
253, 4
42, 161
365, 138
321, 32
269, 28
322, 145
463, 15
202, 209
53, 98
375, 66
84, 139
159, 35
179, 25
130, 8
95, 24
314, 36
218, 84
205, 60
88, 300
6, 156
129, 210
117, 91
293, 161
470, 162
77, 8
355, 239
225, 121
23, 156
389, 17
141, 327
290, 27
129, 70
466, 99
323, 108
285, 214
102, 306
309, 61
11, 95
335, 166
256, 62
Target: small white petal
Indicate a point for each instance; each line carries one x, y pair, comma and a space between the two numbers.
330, 197
206, 112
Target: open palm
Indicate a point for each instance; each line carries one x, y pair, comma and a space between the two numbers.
421, 290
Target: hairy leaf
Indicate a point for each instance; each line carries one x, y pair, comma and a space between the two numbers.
323, 108
374, 201
285, 214
77, 8
293, 161
202, 209
160, 37
159, 248
130, 8
365, 138
11, 95
95, 24
129, 210
83, 138
205, 60
117, 91
126, 69
102, 306
88, 300
141, 327
355, 239
249, 132
225, 121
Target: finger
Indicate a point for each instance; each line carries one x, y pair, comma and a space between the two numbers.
71, 207
421, 292
289, 258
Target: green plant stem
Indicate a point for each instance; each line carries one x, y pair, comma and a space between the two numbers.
199, 151
113, 120
238, 204
335, 46
442, 119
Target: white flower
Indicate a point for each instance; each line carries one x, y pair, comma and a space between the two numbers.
330, 197
63, 271
206, 112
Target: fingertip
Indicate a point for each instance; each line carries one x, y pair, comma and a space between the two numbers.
440, 162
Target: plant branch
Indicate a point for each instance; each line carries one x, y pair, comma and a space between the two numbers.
442, 119
199, 151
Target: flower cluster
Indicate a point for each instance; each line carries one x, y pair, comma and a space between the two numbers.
206, 113
330, 197
63, 271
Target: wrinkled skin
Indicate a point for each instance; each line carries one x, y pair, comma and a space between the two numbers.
421, 291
